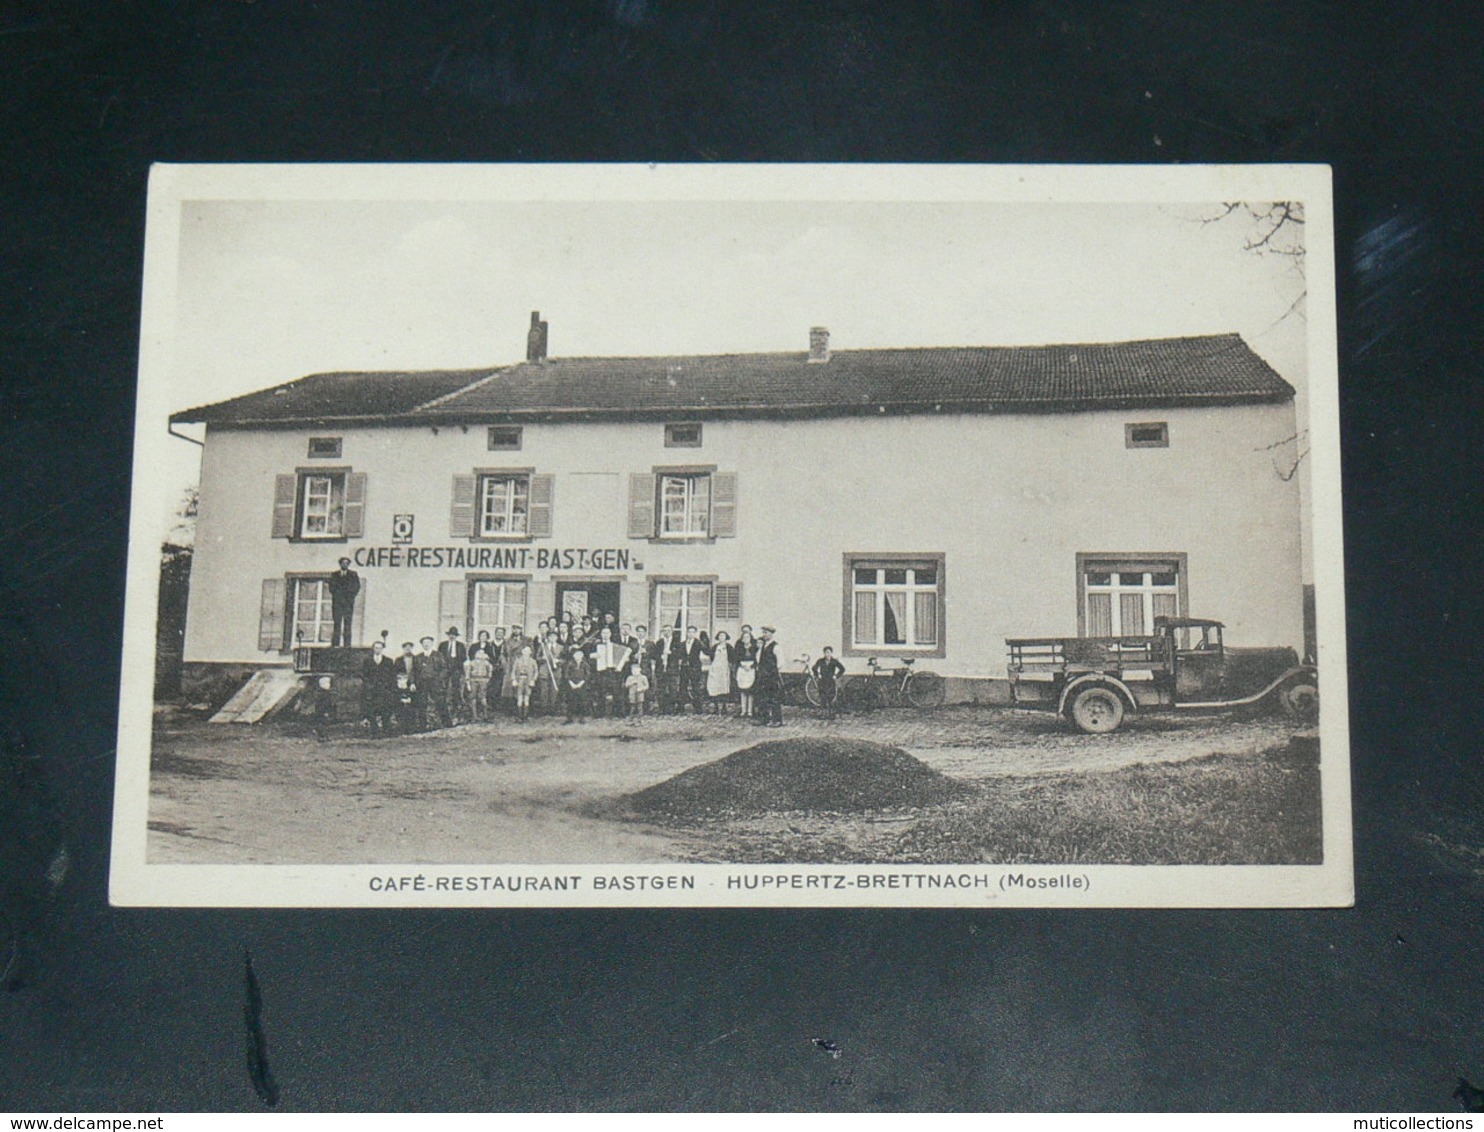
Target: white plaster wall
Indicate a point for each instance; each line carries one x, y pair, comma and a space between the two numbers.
1009, 499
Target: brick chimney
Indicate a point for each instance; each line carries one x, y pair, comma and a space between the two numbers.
819, 344
536, 339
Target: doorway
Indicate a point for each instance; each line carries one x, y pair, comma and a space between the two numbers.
591, 598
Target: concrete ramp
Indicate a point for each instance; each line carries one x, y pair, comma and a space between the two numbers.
262, 697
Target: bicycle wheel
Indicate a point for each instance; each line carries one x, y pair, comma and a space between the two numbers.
925, 689
856, 694
811, 692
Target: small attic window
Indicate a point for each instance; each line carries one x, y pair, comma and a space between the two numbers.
1150, 434
683, 435
504, 438
324, 447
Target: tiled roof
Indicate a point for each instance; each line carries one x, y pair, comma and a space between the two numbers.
1214, 369
333, 396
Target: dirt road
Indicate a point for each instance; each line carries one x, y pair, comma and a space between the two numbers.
522, 793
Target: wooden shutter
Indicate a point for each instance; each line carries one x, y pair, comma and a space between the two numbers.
285, 495
358, 616
724, 505
538, 522
453, 607
270, 613
729, 601
461, 517
355, 505
641, 505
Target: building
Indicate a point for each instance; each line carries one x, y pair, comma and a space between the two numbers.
893, 502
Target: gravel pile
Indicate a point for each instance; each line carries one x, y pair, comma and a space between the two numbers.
830, 775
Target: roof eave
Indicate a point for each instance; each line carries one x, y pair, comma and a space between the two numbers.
756, 411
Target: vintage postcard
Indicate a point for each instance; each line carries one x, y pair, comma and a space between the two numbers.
729, 535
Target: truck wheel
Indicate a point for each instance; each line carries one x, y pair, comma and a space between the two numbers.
1300, 700
1096, 711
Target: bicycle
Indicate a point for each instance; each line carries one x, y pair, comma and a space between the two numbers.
882, 687
811, 684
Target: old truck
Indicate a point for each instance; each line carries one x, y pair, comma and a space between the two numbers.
1095, 682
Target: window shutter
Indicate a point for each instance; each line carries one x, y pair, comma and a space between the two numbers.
724, 505
270, 613
452, 608
541, 605
355, 505
285, 492
358, 616
461, 517
641, 505
538, 523
729, 601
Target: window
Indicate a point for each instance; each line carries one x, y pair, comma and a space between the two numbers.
685, 506
1121, 595
311, 622
504, 438
683, 503
324, 447
894, 602
679, 605
504, 506
501, 503
317, 504
322, 506
1152, 434
683, 435
497, 604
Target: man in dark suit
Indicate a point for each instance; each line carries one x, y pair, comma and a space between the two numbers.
411, 698
693, 669
378, 689
454, 652
650, 655
343, 584
768, 687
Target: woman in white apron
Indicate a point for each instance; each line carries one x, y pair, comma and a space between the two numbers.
719, 673
745, 652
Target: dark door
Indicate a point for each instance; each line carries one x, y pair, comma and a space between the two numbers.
593, 598
1200, 665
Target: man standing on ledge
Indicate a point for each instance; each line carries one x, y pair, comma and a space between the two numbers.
344, 584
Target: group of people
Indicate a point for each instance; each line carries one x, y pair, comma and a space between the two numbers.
578, 666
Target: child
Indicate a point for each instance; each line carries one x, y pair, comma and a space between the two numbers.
575, 675
637, 684
523, 674
827, 672
479, 670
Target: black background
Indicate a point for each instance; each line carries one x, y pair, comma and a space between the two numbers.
1378, 1007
